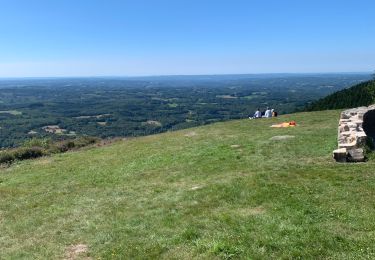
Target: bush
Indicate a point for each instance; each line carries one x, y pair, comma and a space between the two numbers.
24, 153
64, 146
37, 142
21, 153
84, 141
35, 148
6, 157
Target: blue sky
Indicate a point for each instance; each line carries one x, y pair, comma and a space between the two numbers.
159, 37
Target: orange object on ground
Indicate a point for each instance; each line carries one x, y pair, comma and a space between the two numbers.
286, 124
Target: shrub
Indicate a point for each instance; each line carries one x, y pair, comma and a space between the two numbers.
84, 141
21, 153
37, 142
6, 157
24, 153
36, 147
64, 146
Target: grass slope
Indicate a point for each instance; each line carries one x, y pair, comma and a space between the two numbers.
192, 194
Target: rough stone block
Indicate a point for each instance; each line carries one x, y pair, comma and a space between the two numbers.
343, 128
345, 115
356, 155
353, 134
340, 155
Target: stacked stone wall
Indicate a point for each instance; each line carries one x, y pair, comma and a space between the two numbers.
352, 137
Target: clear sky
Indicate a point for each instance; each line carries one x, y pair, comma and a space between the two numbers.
158, 37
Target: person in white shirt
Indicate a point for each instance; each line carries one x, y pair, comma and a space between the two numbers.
268, 113
258, 114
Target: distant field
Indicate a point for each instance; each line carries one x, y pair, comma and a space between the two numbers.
11, 112
226, 190
108, 108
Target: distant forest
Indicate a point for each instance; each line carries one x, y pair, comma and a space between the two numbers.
362, 94
120, 107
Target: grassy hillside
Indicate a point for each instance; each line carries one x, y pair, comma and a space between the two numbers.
224, 190
362, 94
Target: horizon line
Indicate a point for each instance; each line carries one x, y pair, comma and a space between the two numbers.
183, 75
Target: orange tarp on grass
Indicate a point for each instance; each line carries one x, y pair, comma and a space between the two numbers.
286, 124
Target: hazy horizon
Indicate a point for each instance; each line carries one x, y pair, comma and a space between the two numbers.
193, 75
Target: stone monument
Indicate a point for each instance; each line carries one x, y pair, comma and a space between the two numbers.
356, 128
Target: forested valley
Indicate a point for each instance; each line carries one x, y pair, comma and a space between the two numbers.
63, 108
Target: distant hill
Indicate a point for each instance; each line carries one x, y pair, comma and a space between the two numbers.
362, 94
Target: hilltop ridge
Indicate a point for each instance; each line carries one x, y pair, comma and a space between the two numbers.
235, 189
362, 94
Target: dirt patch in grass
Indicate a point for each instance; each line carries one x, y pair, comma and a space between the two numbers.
196, 187
191, 134
105, 142
245, 212
179, 252
282, 137
43, 161
78, 251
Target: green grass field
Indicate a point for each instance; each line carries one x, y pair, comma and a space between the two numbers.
220, 191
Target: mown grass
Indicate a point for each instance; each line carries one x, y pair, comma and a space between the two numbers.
220, 191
